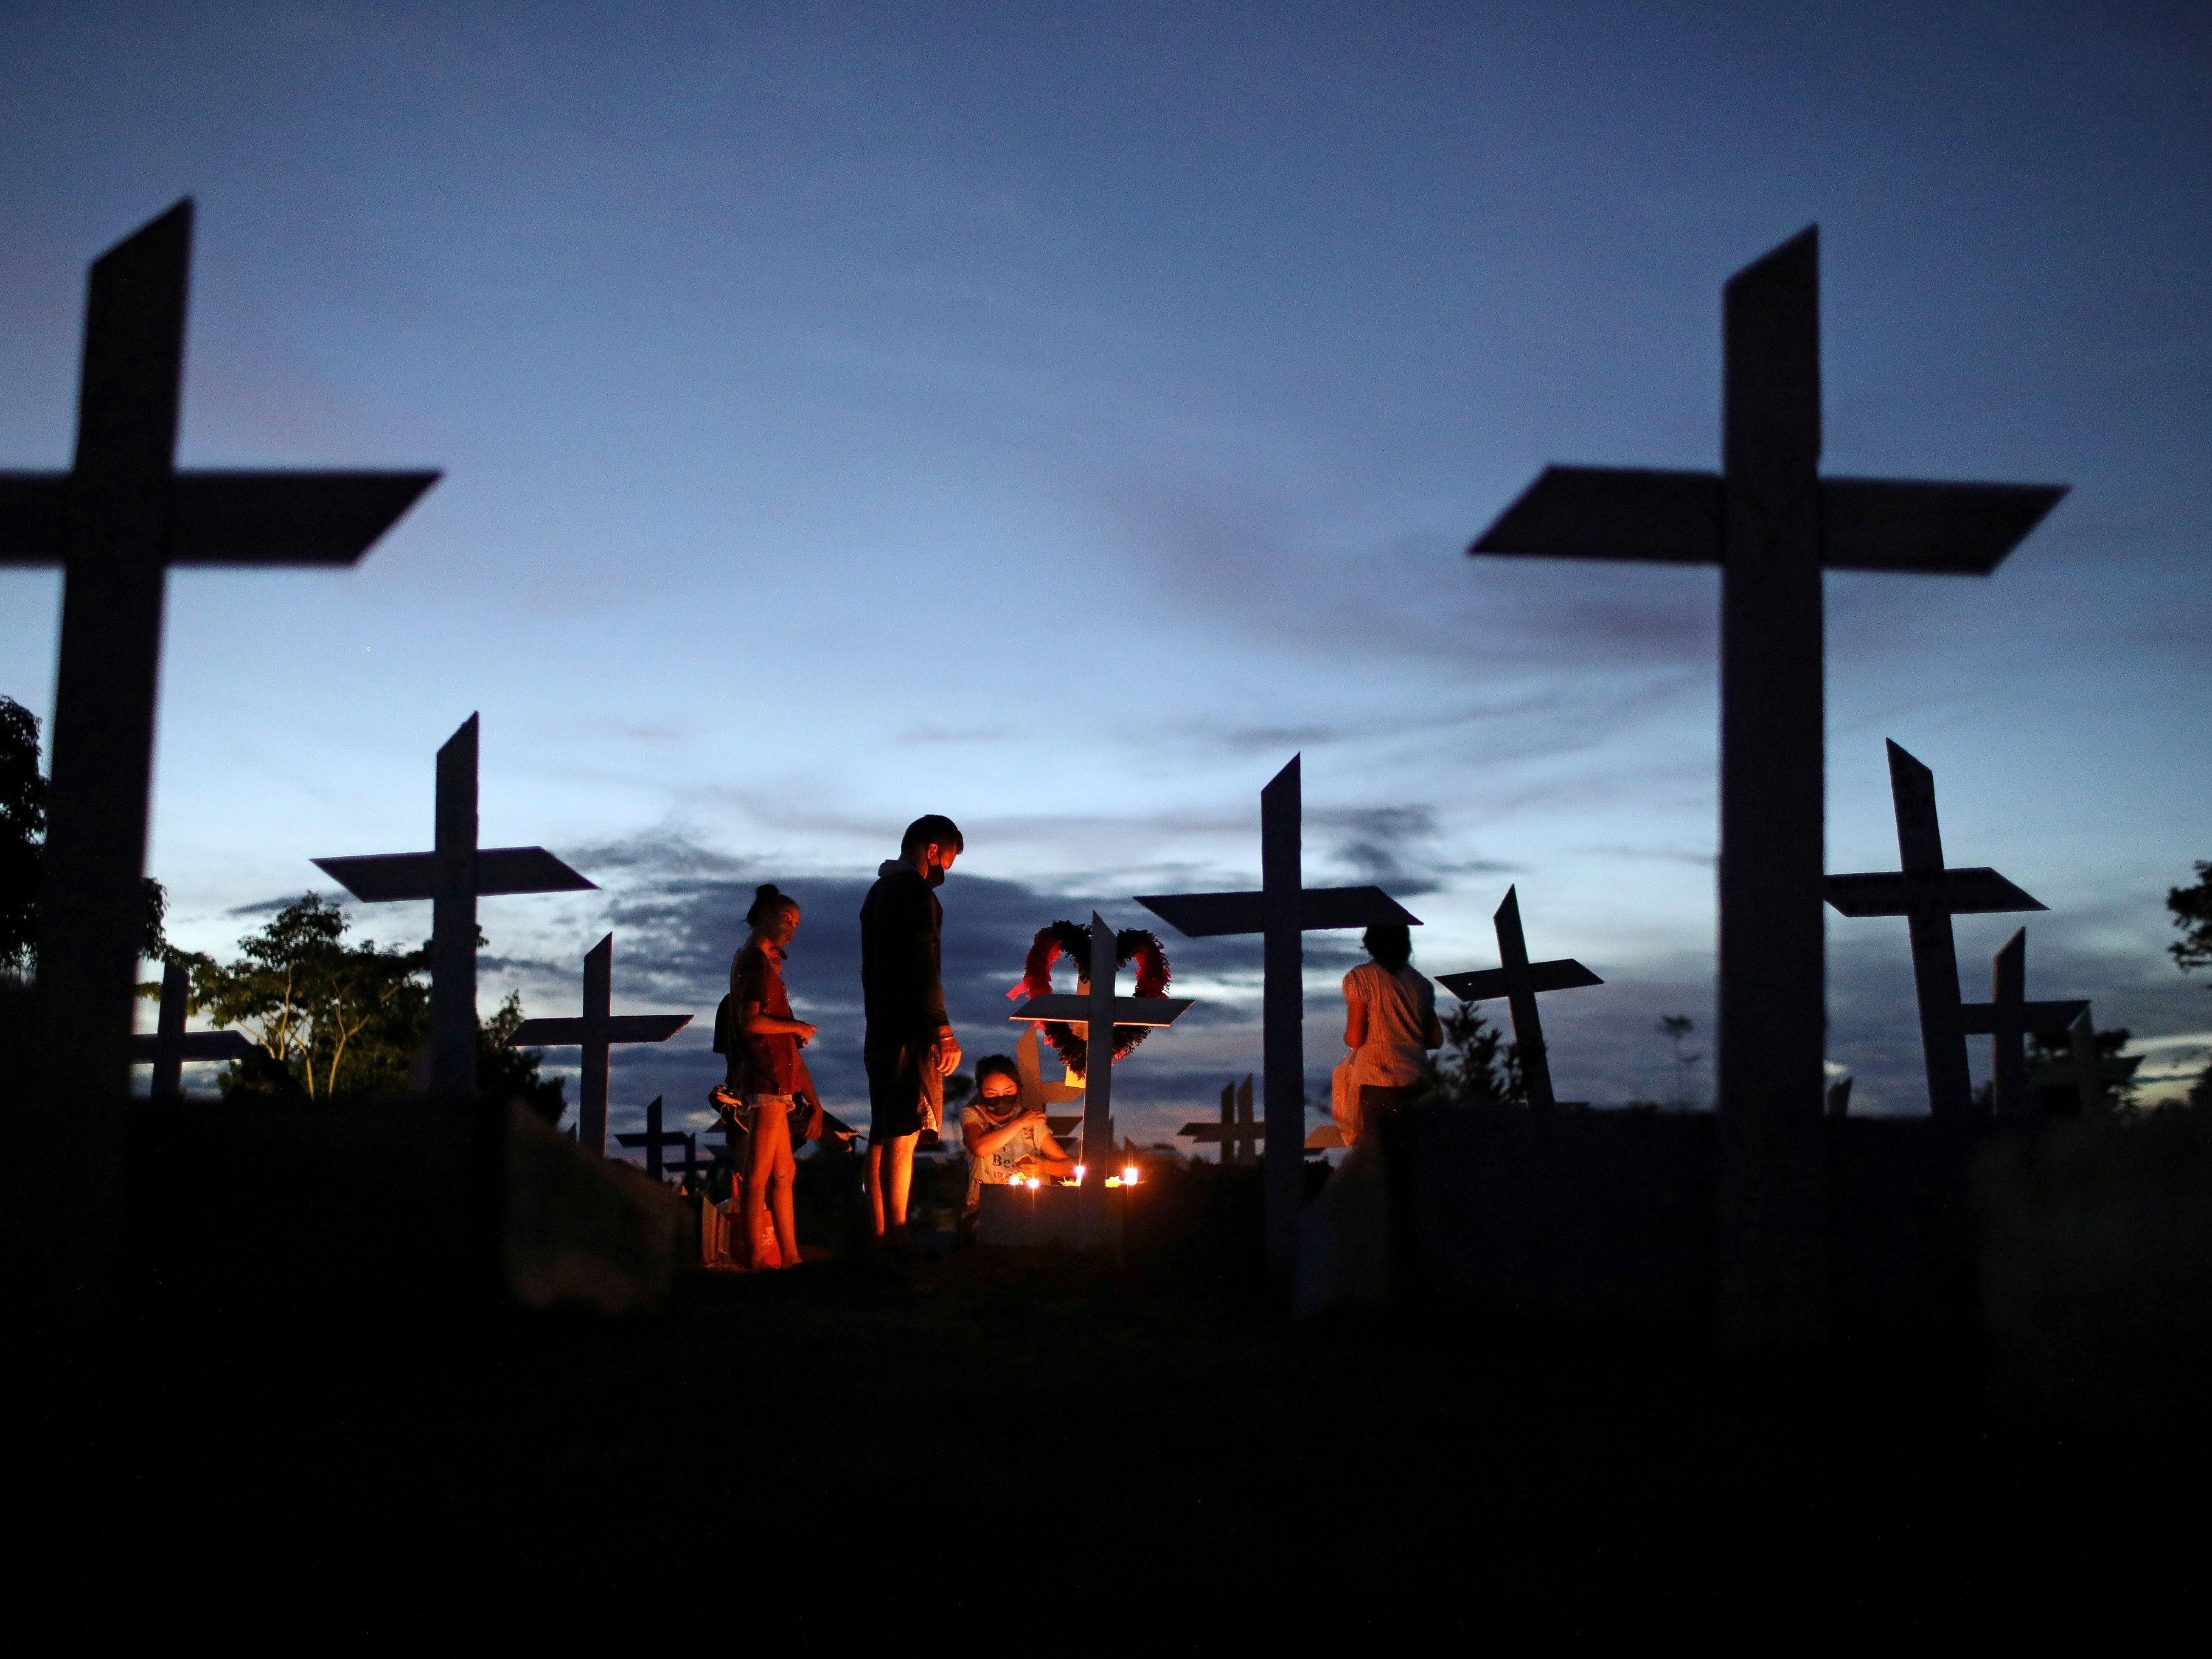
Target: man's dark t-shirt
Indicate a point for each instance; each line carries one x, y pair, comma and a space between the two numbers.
902, 988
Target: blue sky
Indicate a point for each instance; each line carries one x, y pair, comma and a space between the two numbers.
1058, 415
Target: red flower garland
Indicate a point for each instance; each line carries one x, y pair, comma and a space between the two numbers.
1065, 938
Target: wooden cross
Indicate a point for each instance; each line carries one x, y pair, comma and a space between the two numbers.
452, 877
2086, 1070
2006, 1020
1283, 908
1927, 895
1520, 981
1030, 1085
594, 1033
115, 522
1772, 524
1239, 1135
171, 1045
655, 1137
1097, 1012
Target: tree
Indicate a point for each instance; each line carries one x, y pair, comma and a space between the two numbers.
1477, 1066
2192, 914
340, 1018
1676, 1029
504, 1071
23, 843
332, 1019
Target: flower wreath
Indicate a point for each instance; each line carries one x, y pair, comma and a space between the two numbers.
1065, 938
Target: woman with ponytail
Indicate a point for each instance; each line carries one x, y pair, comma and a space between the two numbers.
766, 1073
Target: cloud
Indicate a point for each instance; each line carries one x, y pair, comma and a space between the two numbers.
1390, 846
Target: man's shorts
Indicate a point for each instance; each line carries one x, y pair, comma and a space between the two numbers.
906, 1093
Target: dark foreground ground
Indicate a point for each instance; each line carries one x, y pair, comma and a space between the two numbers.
1043, 1452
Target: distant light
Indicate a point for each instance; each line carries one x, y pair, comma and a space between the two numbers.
1034, 1183
1129, 1176
1113, 1181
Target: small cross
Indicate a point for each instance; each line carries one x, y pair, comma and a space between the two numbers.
1772, 524
1927, 895
691, 1167
597, 1029
654, 1139
1283, 908
1520, 979
1239, 1135
2007, 1018
453, 877
2086, 1070
115, 522
1099, 1011
171, 1045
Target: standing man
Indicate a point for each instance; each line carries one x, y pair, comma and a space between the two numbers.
909, 1046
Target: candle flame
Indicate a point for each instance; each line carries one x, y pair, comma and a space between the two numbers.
1034, 1183
1079, 1173
1129, 1176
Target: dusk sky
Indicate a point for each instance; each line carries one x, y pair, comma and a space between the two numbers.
1058, 415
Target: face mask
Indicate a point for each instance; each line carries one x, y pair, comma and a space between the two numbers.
936, 876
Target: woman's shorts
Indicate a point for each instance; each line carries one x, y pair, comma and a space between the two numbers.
746, 1112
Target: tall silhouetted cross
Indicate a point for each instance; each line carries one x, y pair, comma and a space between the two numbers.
1772, 525
452, 877
115, 522
1283, 908
1927, 895
1519, 980
171, 1045
599, 1028
2009, 1019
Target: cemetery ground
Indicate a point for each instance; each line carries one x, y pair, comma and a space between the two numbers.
1077, 1452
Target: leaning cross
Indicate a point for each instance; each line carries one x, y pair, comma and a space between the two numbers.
171, 1045
1927, 895
1772, 525
1239, 1135
655, 1137
597, 1029
115, 523
1281, 910
1520, 981
2007, 1018
1099, 1011
453, 877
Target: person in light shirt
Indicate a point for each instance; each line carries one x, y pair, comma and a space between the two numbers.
1389, 1024
1006, 1136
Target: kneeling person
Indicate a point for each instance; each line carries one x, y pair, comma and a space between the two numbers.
1006, 1141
